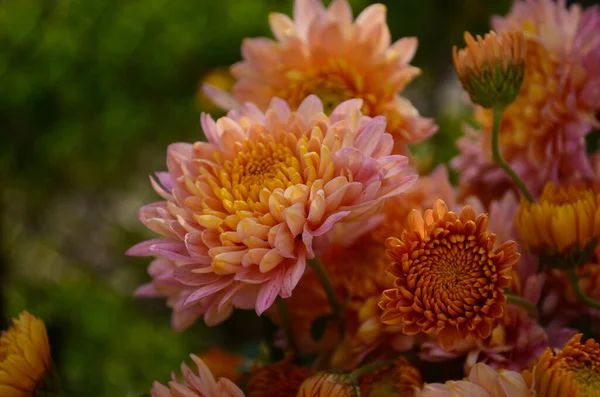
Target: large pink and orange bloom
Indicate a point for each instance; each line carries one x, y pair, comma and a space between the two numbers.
322, 51
244, 211
543, 132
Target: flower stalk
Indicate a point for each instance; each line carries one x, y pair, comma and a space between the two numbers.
336, 306
523, 304
574, 281
497, 156
287, 323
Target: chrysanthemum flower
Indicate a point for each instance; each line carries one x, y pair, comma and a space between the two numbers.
542, 132
564, 221
25, 362
280, 379
400, 379
200, 383
483, 381
223, 364
572, 372
328, 385
245, 210
491, 68
325, 53
448, 276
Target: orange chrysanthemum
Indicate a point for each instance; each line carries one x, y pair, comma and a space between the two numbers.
280, 379
399, 379
542, 132
448, 277
565, 220
223, 364
325, 53
491, 68
573, 372
25, 362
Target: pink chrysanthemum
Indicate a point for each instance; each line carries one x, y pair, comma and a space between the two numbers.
542, 132
245, 210
199, 383
325, 53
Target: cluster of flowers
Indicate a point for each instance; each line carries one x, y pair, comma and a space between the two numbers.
304, 205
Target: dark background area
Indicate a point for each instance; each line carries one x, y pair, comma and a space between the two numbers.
91, 93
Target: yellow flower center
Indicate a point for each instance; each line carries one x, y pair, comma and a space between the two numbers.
588, 380
269, 165
260, 164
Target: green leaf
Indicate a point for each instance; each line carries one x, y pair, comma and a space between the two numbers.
318, 327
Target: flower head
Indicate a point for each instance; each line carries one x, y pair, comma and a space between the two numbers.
328, 385
200, 383
245, 210
325, 53
573, 372
542, 132
25, 362
564, 221
448, 276
483, 381
280, 379
491, 68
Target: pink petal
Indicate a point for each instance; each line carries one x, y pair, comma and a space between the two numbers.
221, 98
292, 276
207, 290
268, 292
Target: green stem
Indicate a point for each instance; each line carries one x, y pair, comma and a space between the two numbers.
369, 368
497, 157
574, 280
336, 307
518, 301
286, 323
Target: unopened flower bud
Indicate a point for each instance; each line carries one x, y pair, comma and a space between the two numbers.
491, 68
328, 385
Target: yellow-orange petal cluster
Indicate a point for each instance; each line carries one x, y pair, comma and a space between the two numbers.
565, 220
491, 68
483, 381
399, 379
324, 52
448, 278
367, 337
572, 372
244, 211
25, 362
280, 379
328, 385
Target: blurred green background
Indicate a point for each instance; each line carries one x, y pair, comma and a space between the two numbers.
91, 93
